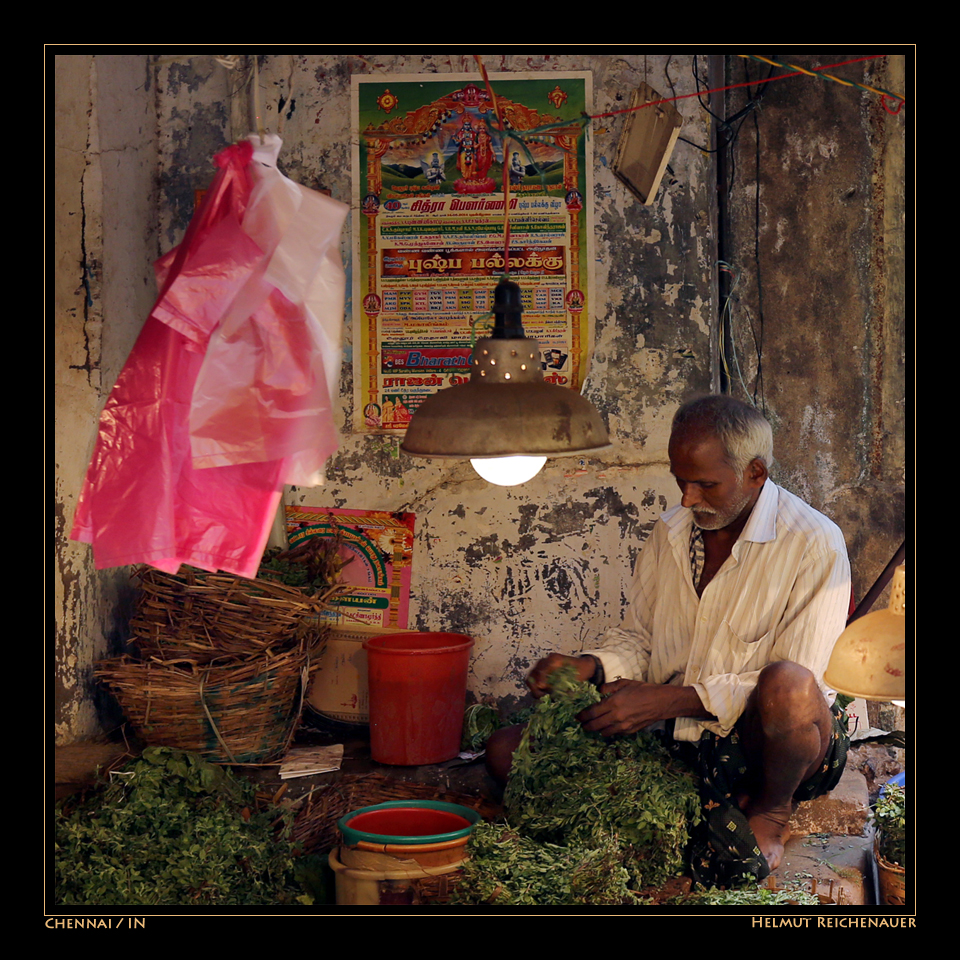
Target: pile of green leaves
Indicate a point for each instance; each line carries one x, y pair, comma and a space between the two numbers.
479, 722
508, 869
172, 829
748, 897
571, 787
890, 812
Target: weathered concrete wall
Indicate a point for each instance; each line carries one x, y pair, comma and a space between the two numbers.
817, 225
105, 162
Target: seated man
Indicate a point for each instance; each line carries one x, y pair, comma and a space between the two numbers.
738, 597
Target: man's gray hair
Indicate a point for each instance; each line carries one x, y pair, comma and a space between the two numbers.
742, 430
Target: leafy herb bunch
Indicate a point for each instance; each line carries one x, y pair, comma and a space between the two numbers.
569, 786
313, 565
754, 897
890, 812
508, 869
173, 829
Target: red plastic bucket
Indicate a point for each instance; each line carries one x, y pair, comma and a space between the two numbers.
418, 688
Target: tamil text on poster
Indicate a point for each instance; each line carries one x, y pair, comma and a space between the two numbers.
431, 244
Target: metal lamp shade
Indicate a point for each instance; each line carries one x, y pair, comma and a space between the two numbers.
869, 659
506, 409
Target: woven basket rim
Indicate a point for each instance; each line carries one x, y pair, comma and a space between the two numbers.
212, 672
886, 864
224, 662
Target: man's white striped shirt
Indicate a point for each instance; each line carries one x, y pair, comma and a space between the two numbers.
782, 594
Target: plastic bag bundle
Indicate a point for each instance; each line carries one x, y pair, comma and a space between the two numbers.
228, 392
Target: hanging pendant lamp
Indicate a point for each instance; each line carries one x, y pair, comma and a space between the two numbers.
506, 410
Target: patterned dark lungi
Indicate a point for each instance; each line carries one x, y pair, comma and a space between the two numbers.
723, 851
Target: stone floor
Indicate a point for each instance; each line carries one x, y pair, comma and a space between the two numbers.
831, 847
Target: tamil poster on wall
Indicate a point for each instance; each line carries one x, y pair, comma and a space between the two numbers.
432, 240
376, 547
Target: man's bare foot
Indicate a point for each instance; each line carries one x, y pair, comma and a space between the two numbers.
771, 829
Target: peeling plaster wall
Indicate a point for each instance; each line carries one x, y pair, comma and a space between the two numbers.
817, 226
105, 163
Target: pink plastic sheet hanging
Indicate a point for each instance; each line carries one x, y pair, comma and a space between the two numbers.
270, 375
227, 393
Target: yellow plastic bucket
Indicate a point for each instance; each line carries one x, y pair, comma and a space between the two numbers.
372, 878
401, 851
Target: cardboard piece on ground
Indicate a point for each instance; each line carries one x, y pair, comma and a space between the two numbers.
306, 761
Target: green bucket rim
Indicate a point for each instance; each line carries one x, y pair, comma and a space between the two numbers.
352, 836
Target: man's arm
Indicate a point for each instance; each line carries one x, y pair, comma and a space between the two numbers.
629, 702
631, 705
624, 651
538, 680
813, 615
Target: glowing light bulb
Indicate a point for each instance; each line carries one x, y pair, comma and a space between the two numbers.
508, 471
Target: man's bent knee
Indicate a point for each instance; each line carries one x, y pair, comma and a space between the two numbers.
787, 717
786, 677
787, 691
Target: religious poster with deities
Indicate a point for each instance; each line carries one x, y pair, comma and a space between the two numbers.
430, 234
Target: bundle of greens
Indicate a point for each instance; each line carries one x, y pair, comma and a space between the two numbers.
748, 897
172, 829
571, 787
510, 870
479, 722
891, 816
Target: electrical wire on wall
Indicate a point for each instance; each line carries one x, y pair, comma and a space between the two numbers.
759, 400
729, 129
728, 133
728, 360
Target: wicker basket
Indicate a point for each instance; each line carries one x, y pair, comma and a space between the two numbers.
202, 616
891, 880
239, 711
225, 663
